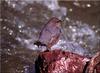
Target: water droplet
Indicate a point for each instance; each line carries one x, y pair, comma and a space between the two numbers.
8, 49
30, 9
4, 27
1, 19
67, 19
80, 42
10, 32
88, 5
96, 31
8, 1
6, 61
93, 26
7, 28
13, 5
22, 11
5, 20
74, 30
22, 71
70, 27
19, 26
70, 9
20, 30
83, 6
23, 3
76, 4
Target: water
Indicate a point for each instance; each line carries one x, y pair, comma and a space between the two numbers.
23, 20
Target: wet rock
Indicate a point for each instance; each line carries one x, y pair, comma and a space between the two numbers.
58, 61
98, 68
94, 64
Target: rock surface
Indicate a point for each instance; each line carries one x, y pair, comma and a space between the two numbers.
58, 61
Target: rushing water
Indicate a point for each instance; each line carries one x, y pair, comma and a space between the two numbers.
22, 20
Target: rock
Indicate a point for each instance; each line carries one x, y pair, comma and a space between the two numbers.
94, 64
58, 61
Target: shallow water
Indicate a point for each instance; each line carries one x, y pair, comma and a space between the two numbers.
23, 20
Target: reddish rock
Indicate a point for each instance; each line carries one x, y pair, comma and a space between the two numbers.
94, 64
58, 61
98, 68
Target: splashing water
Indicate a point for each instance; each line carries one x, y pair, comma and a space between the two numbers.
78, 34
78, 38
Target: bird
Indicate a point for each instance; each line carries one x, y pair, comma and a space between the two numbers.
50, 33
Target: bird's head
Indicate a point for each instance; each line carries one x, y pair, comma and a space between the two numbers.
55, 22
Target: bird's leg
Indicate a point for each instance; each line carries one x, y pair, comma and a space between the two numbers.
49, 46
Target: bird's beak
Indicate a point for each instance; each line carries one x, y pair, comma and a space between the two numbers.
59, 21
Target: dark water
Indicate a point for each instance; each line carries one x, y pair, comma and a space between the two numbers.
22, 20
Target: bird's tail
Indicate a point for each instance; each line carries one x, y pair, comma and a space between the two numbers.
38, 43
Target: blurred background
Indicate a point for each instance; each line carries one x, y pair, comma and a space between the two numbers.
22, 20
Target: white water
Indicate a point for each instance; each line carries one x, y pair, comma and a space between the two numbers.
76, 33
